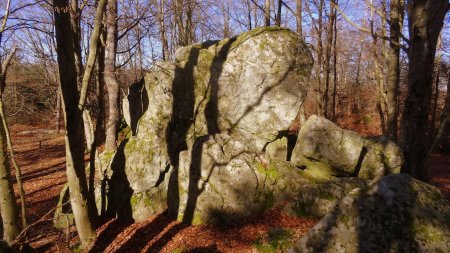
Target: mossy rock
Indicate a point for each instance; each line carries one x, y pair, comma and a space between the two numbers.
395, 214
326, 150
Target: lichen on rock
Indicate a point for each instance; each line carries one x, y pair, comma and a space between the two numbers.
396, 214
327, 150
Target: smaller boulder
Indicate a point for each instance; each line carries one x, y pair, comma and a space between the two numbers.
327, 150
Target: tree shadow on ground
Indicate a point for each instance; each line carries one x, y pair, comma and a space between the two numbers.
150, 231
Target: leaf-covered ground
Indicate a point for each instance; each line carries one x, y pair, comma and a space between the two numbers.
40, 154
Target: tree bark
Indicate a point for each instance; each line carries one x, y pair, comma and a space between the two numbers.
162, 31
299, 17
335, 77
393, 66
7, 200
328, 56
426, 18
267, 13
278, 19
319, 96
7, 197
110, 78
73, 106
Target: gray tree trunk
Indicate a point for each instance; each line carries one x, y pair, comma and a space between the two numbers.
397, 9
330, 39
73, 106
299, 17
426, 18
112, 85
7, 197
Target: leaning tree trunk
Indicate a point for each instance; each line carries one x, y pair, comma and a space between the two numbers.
110, 79
7, 199
426, 19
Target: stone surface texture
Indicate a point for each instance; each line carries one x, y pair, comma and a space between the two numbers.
394, 214
327, 150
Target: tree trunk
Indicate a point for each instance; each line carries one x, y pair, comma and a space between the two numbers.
249, 14
7, 200
267, 12
426, 19
335, 80
393, 66
226, 19
7, 197
328, 56
110, 78
73, 106
319, 96
299, 17
436, 96
278, 19
162, 31
444, 122
58, 111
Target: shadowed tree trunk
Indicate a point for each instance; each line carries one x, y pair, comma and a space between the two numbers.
73, 106
328, 56
278, 19
426, 18
397, 9
335, 80
267, 12
319, 96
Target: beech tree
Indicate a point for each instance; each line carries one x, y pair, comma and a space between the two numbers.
74, 100
110, 79
7, 198
425, 18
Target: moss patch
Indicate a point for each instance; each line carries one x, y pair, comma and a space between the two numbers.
276, 240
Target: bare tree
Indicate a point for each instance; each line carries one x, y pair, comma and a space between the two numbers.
73, 105
426, 18
393, 66
110, 79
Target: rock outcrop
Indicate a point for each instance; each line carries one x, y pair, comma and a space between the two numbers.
244, 90
326, 150
395, 214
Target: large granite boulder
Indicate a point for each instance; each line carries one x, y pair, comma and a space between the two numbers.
395, 214
327, 150
249, 87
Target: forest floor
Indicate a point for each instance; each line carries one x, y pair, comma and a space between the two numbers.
41, 156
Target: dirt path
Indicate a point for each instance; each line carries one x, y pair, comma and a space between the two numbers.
41, 156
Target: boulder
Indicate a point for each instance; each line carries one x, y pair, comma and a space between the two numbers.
316, 199
396, 214
327, 150
224, 179
249, 87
